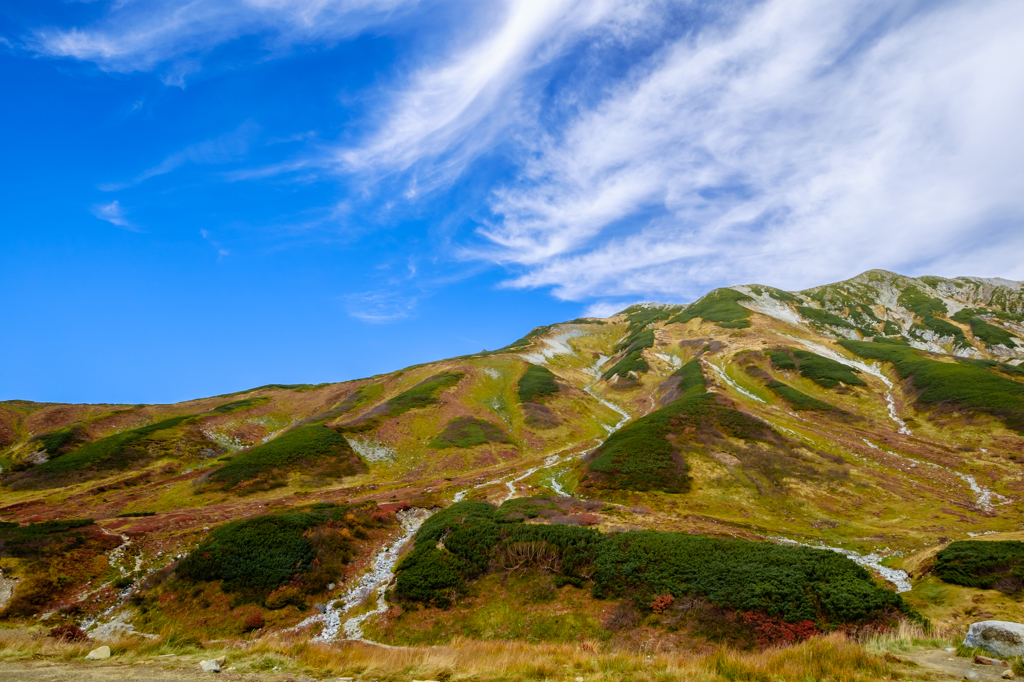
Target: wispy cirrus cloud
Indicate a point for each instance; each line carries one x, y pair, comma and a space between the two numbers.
222, 149
461, 105
114, 214
174, 35
799, 143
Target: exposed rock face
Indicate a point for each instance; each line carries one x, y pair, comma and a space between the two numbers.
1000, 637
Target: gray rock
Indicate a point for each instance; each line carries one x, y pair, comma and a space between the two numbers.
209, 666
1002, 638
99, 654
322, 608
972, 676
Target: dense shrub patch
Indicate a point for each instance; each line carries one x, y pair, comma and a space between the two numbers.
989, 333
795, 584
632, 362
423, 393
57, 442
52, 557
963, 384
926, 307
303, 550
119, 451
537, 382
984, 565
239, 405
821, 370
797, 399
638, 339
721, 306
309, 449
468, 432
823, 317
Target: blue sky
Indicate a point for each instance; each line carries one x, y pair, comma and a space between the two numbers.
200, 196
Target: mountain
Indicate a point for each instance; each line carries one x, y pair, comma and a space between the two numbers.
881, 416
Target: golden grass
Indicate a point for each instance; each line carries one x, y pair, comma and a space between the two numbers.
834, 657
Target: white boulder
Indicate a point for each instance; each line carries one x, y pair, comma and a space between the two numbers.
209, 666
1002, 638
99, 654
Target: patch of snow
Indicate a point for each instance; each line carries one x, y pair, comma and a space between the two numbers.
556, 345
371, 450
492, 373
983, 497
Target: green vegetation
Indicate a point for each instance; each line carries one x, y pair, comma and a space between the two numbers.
638, 338
925, 307
777, 294
119, 451
468, 432
823, 317
823, 371
962, 384
984, 565
799, 401
633, 362
989, 333
50, 558
794, 583
721, 306
239, 405
58, 442
639, 456
306, 550
423, 393
537, 382
310, 449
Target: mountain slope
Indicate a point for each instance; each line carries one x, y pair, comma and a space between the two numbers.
879, 414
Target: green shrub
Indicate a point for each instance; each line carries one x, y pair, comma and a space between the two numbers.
253, 554
795, 583
984, 565
119, 451
537, 382
468, 432
925, 307
823, 317
423, 393
239, 405
311, 449
633, 362
58, 442
821, 370
720, 306
305, 549
797, 400
989, 333
962, 384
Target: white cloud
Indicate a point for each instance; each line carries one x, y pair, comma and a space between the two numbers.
791, 148
222, 149
453, 110
113, 213
380, 306
143, 36
606, 308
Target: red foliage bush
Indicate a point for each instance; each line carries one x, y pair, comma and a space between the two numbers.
589, 519
254, 621
662, 602
69, 633
773, 631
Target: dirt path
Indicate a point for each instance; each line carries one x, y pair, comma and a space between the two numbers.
946, 665
148, 671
